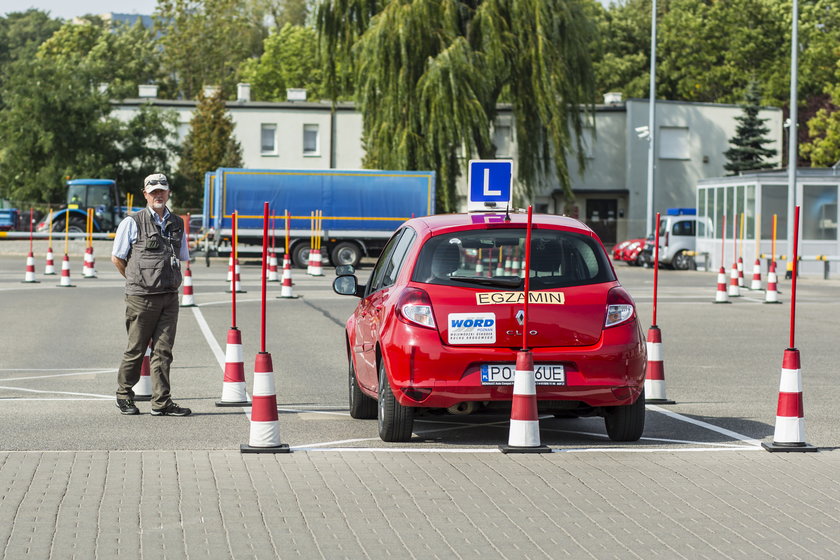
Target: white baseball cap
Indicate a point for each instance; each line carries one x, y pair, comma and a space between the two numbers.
155, 182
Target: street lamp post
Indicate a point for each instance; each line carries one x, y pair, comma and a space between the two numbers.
793, 136
651, 121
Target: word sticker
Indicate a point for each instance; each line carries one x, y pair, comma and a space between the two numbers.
472, 328
492, 298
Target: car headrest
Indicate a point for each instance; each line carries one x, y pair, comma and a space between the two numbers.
545, 255
447, 259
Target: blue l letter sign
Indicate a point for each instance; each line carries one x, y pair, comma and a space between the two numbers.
489, 182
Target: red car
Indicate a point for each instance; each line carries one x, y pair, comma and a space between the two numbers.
630, 251
440, 321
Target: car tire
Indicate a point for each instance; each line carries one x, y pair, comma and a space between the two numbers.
681, 261
76, 225
627, 422
345, 253
362, 407
396, 421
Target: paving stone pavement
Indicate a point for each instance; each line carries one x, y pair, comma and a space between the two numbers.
431, 504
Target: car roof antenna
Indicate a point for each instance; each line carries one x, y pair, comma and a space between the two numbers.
507, 212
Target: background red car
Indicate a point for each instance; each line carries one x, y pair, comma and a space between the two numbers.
440, 322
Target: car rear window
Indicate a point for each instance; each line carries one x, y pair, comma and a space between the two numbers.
496, 257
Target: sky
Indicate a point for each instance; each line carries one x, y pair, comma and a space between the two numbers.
65, 9
68, 9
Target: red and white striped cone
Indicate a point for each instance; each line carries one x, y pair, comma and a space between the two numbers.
508, 266
315, 259
143, 388
515, 267
756, 278
233, 386
29, 276
235, 284
88, 271
273, 276
734, 289
187, 300
771, 295
655, 370
286, 288
500, 269
479, 267
721, 296
230, 269
524, 436
65, 273
740, 265
265, 427
310, 261
789, 434
49, 269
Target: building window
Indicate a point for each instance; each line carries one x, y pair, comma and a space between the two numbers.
673, 143
501, 139
268, 139
311, 140
819, 212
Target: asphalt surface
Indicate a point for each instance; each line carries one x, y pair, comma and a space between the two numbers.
78, 480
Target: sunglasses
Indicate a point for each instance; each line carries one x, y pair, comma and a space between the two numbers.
156, 182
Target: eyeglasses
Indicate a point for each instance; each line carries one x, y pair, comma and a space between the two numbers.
162, 182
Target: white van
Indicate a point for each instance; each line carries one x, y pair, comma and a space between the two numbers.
678, 231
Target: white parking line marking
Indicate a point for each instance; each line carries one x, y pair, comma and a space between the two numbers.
56, 392
94, 372
712, 427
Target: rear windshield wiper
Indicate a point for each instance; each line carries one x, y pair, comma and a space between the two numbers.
504, 282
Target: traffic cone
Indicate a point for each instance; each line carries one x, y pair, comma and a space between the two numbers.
233, 386
771, 295
524, 436
187, 300
721, 296
49, 269
655, 370
286, 288
230, 269
734, 289
265, 428
315, 259
500, 269
789, 434
87, 266
65, 273
236, 280
740, 273
272, 268
479, 267
756, 279
515, 266
143, 388
29, 276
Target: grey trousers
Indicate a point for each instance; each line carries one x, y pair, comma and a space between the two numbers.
149, 319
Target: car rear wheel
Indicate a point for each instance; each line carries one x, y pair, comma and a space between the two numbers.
626, 423
362, 407
681, 261
396, 421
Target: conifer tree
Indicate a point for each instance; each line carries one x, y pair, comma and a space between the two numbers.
210, 144
748, 151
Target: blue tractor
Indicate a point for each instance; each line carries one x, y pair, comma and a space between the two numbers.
100, 194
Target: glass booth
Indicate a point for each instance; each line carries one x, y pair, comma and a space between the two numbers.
742, 209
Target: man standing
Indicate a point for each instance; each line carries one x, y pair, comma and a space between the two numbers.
147, 250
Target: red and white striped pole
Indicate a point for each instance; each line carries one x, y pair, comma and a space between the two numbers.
789, 434
524, 433
265, 427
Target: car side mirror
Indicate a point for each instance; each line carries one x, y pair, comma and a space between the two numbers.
348, 286
345, 270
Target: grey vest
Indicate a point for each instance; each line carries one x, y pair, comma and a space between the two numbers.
153, 266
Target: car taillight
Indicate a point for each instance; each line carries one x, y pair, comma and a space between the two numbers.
415, 307
620, 307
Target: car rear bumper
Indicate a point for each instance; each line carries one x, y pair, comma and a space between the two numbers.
423, 372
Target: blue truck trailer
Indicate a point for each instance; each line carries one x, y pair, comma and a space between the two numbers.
360, 209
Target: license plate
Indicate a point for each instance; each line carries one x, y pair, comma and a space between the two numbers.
503, 374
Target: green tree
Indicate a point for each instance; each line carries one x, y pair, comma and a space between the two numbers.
429, 74
289, 60
622, 59
20, 35
295, 12
823, 146
209, 144
205, 41
748, 151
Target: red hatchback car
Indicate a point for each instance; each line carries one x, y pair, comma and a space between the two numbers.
440, 321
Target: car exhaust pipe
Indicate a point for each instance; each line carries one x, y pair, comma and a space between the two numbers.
462, 408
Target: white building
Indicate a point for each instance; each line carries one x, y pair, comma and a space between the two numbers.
610, 196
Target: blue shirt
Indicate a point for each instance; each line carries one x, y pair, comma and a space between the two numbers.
127, 235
